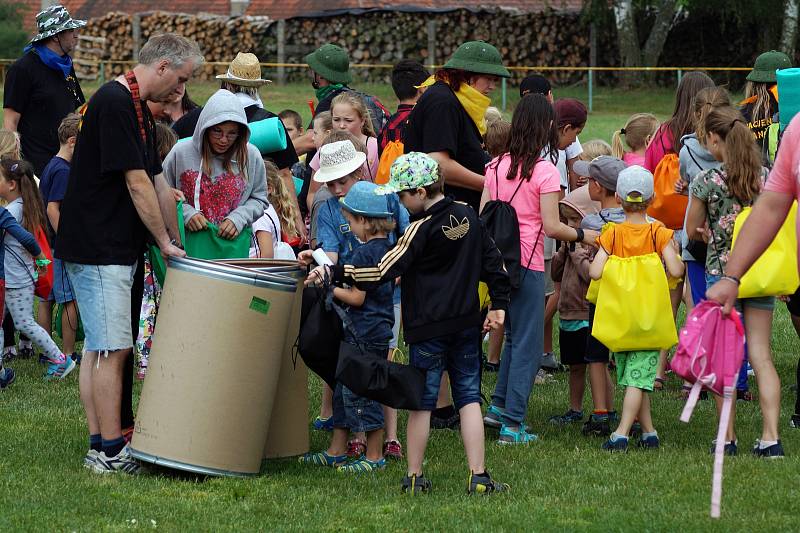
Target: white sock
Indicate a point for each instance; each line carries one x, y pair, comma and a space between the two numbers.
648, 435
10, 349
764, 444
616, 436
25, 344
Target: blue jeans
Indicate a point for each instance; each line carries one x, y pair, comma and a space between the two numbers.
458, 354
696, 275
522, 354
356, 413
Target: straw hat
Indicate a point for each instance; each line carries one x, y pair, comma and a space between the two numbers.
244, 70
337, 160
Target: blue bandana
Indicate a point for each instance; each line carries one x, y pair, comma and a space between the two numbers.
52, 59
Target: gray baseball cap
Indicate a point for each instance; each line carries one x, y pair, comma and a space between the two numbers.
603, 169
635, 179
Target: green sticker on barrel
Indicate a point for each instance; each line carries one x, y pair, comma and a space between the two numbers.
259, 305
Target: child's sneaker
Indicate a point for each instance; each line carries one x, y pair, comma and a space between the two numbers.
770, 452
9, 353
794, 422
90, 459
616, 443
542, 377
730, 449
549, 362
323, 424
122, 462
567, 418
416, 484
650, 441
520, 436
484, 484
636, 430
597, 425
744, 396
494, 417
356, 448
322, 459
7, 377
362, 466
392, 449
77, 357
60, 370
26, 352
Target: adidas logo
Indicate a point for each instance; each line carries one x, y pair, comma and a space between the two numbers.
457, 229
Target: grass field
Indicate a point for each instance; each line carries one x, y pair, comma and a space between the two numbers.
564, 482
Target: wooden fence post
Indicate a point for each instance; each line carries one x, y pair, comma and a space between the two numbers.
281, 38
431, 43
136, 30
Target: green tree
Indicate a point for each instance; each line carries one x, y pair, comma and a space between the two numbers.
13, 36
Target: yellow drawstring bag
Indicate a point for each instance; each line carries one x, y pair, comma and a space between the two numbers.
592, 291
775, 272
633, 306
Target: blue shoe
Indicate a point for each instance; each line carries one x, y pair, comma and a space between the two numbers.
616, 443
362, 465
7, 377
567, 418
651, 441
60, 370
730, 449
323, 424
520, 436
494, 417
322, 459
770, 452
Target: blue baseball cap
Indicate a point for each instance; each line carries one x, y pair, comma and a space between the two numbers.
362, 200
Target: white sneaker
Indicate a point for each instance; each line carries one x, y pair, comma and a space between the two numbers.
90, 459
122, 462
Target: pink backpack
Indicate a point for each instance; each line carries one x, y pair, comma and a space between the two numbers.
710, 353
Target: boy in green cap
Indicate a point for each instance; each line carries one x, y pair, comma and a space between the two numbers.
445, 250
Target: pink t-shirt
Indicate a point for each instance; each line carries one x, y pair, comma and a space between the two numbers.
632, 158
370, 168
526, 202
659, 147
785, 175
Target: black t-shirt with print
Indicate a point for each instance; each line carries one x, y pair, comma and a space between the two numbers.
439, 123
43, 98
99, 224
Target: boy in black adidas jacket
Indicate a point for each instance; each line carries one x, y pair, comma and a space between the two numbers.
441, 257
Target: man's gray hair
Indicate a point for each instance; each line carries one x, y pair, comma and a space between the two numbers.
176, 49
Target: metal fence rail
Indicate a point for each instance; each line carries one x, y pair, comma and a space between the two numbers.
280, 68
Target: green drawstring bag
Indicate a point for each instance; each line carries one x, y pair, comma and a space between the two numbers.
79, 335
205, 244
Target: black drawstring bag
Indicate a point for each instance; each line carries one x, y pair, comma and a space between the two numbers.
371, 375
320, 332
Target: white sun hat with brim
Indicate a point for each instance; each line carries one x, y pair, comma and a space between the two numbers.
244, 70
337, 160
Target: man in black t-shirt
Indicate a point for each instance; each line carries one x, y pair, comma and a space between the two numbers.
243, 78
116, 194
41, 87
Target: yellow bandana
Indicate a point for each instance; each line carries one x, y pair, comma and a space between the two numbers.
475, 104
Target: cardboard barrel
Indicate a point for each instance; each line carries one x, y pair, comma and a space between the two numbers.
214, 367
288, 431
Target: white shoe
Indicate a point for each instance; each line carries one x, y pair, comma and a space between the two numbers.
122, 462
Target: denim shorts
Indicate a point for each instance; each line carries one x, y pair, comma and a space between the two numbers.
62, 288
356, 413
766, 303
458, 354
103, 293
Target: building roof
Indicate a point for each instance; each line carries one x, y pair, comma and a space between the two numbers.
283, 9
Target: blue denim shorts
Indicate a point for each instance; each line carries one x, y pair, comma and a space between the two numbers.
103, 293
62, 288
456, 353
356, 413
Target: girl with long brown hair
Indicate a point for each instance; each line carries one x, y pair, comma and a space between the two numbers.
220, 173
718, 196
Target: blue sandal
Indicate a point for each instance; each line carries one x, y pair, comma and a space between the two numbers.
322, 459
363, 465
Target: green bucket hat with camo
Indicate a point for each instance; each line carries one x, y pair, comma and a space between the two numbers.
411, 171
53, 21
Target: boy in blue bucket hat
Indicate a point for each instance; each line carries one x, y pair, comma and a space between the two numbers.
441, 257
372, 315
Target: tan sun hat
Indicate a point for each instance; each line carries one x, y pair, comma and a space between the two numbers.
244, 70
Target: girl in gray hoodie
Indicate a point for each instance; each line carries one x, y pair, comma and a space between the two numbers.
221, 175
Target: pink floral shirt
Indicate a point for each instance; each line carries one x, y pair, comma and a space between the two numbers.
218, 196
710, 186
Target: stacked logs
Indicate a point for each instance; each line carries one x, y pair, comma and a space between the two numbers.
219, 37
549, 38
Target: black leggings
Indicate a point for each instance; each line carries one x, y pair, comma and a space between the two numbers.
9, 330
137, 291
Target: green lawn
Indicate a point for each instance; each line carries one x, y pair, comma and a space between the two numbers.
564, 482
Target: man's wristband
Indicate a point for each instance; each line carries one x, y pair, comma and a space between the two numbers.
579, 235
734, 279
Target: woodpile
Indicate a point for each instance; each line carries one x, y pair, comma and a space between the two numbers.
551, 39
385, 37
219, 37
